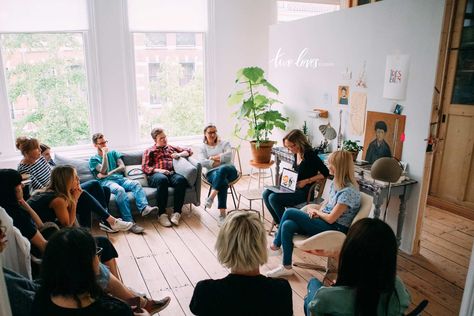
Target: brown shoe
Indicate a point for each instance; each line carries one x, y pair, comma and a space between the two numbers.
153, 306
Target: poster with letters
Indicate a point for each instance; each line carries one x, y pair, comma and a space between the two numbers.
396, 77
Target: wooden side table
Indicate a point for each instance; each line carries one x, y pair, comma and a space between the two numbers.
252, 195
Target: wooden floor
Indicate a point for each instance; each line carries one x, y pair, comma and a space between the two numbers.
170, 261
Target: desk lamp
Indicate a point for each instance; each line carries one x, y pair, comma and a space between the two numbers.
387, 169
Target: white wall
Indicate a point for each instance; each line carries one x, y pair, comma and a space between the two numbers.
348, 37
241, 40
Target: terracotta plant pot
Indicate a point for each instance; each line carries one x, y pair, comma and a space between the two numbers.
263, 153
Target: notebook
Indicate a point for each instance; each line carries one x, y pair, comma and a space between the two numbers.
288, 182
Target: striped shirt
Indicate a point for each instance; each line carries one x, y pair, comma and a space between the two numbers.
39, 171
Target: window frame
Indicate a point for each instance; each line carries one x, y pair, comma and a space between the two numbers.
132, 82
90, 68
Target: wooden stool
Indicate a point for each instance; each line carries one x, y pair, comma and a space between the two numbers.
252, 195
262, 174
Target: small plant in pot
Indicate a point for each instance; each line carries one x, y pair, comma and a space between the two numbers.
255, 109
353, 147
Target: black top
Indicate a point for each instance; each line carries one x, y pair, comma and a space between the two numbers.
22, 220
40, 203
242, 295
310, 166
103, 306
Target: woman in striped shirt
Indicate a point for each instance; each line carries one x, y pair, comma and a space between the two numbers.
93, 199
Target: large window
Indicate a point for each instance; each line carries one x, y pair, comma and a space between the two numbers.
42, 51
170, 87
168, 40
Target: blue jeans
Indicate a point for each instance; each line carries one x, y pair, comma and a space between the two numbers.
295, 221
219, 179
313, 286
277, 202
161, 182
120, 187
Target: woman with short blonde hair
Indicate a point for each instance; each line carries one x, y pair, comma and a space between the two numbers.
241, 247
337, 214
242, 243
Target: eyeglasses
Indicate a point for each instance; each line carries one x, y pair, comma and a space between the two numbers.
103, 143
211, 132
98, 251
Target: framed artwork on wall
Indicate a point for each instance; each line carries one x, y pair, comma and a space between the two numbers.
343, 95
384, 135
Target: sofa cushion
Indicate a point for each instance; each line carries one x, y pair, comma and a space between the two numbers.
81, 165
132, 158
186, 169
135, 172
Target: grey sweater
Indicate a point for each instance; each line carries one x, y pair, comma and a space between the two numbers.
222, 148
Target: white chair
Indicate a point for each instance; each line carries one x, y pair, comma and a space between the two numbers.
329, 243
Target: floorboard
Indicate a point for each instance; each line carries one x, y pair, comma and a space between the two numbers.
170, 261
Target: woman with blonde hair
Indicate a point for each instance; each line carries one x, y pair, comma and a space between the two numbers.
337, 214
310, 169
241, 247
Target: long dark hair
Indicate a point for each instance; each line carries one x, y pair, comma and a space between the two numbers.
297, 137
368, 264
67, 267
9, 180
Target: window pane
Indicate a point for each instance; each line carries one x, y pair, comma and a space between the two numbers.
47, 86
185, 39
155, 39
293, 10
170, 86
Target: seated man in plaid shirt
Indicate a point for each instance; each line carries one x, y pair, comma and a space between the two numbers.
157, 163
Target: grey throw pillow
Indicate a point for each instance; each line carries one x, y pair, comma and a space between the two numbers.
81, 165
186, 169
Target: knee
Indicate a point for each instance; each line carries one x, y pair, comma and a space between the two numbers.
266, 194
121, 193
274, 199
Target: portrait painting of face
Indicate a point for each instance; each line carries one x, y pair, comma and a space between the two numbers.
343, 95
383, 136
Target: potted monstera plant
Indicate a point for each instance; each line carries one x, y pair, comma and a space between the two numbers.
255, 112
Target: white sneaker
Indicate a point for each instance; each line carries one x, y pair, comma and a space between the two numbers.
221, 220
148, 209
208, 203
164, 220
279, 272
121, 225
175, 218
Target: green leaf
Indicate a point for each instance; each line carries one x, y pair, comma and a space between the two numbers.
235, 98
254, 74
269, 86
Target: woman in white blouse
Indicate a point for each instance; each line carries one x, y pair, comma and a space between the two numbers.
216, 159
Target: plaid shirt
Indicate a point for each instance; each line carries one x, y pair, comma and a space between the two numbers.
160, 158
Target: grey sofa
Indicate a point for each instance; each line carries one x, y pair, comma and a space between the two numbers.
193, 192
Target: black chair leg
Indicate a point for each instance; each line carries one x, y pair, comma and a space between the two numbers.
234, 195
